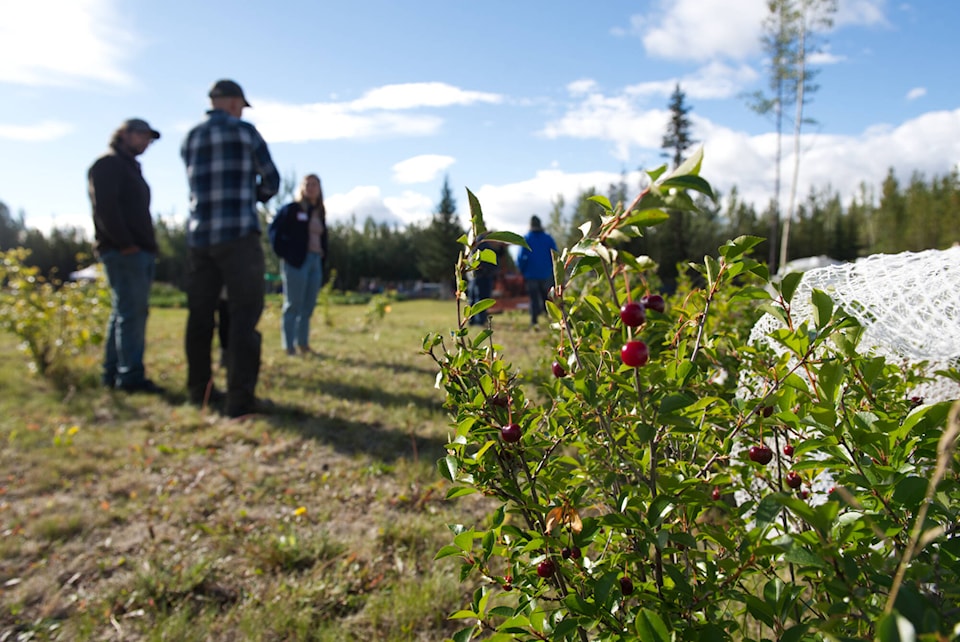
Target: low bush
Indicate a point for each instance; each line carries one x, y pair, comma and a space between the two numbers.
669, 490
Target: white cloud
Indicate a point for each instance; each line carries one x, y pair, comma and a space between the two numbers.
280, 122
860, 12
411, 207
368, 117
582, 86
713, 81
615, 119
41, 132
421, 169
509, 207
360, 203
916, 92
420, 94
702, 29
367, 201
64, 43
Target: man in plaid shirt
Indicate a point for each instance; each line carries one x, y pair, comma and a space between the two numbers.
229, 170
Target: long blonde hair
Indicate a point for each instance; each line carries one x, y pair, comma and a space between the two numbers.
302, 189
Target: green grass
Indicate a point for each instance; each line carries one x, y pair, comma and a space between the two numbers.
143, 518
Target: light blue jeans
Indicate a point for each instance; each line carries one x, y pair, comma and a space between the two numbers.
300, 289
130, 277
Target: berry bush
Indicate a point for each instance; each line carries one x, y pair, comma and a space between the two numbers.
55, 321
662, 488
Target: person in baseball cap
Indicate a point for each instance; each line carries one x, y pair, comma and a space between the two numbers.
228, 89
139, 125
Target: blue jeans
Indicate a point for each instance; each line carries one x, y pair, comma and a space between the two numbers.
130, 277
300, 288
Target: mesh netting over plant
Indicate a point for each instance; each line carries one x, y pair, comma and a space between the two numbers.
908, 304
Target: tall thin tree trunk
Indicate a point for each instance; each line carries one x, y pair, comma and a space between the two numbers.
797, 127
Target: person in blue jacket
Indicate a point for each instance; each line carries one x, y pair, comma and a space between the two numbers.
536, 266
299, 237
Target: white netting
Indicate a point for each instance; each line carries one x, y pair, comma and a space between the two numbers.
908, 303
909, 306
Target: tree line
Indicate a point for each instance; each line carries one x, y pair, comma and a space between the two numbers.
922, 213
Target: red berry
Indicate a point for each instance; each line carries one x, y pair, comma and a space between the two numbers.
654, 302
794, 480
546, 568
626, 585
788, 450
570, 553
761, 454
510, 433
716, 493
767, 411
575, 553
558, 370
632, 314
501, 400
634, 353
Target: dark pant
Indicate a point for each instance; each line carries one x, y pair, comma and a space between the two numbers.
480, 288
130, 277
238, 265
538, 289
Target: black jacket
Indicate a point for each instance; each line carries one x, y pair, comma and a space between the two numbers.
289, 233
121, 203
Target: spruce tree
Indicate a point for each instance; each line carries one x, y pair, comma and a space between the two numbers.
438, 249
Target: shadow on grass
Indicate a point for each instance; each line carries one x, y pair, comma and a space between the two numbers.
363, 438
428, 368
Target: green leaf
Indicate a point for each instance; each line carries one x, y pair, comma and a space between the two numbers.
464, 540
448, 467
893, 627
488, 256
830, 378
768, 509
501, 611
601, 200
795, 633
910, 491
660, 507
759, 609
480, 306
650, 627
788, 285
476, 213
739, 246
691, 165
460, 491
646, 218
823, 308
484, 334
654, 174
464, 635
713, 270
507, 237
689, 182
447, 551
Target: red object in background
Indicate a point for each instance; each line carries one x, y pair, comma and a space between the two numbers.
510, 293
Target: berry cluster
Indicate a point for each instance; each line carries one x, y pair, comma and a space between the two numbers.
635, 353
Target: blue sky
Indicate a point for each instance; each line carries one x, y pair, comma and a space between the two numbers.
520, 101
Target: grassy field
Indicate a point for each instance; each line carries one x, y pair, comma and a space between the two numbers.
138, 517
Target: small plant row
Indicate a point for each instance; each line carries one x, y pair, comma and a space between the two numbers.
642, 494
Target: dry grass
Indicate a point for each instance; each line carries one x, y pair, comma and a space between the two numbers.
139, 518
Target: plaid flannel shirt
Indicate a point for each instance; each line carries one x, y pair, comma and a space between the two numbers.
224, 157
